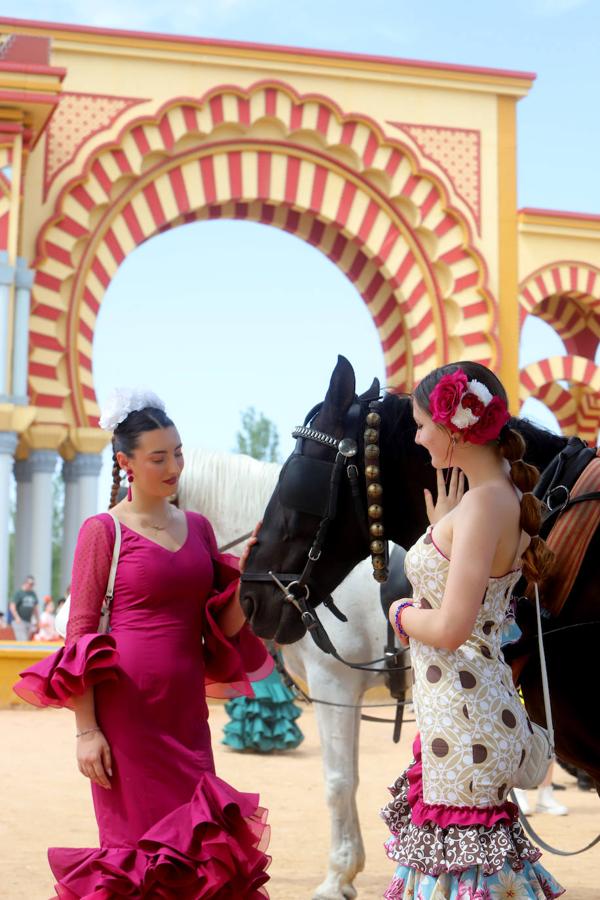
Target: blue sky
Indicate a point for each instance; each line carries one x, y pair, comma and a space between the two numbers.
214, 330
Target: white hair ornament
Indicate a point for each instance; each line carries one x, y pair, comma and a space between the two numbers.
123, 401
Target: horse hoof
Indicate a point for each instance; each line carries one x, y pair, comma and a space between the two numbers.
329, 891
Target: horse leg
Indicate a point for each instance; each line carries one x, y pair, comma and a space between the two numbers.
339, 732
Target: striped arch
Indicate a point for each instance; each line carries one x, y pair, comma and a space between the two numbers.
566, 295
577, 409
272, 156
5, 195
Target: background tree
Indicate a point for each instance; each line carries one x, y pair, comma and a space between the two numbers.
58, 508
258, 436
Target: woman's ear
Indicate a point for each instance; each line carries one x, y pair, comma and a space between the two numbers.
122, 461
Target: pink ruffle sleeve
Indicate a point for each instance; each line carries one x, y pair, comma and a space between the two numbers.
88, 657
231, 663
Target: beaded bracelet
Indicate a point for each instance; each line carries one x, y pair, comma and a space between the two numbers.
79, 734
398, 617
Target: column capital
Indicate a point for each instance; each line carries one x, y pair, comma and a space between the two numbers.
23, 471
7, 272
8, 442
24, 277
43, 460
86, 464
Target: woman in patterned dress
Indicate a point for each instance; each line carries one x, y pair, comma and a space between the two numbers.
454, 834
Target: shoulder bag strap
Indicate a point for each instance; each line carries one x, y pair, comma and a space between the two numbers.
115, 559
549, 724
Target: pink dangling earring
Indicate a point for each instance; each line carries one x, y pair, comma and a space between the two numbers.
130, 480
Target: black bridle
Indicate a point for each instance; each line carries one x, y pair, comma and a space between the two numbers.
313, 486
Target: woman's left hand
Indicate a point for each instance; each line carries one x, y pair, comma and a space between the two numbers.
447, 497
404, 641
252, 540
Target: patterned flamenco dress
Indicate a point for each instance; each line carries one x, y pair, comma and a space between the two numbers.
169, 827
454, 835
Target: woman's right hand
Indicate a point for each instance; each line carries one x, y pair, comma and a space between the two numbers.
94, 758
249, 545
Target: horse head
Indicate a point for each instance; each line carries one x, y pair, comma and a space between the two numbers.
324, 481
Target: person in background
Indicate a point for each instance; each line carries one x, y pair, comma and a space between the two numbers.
546, 801
47, 631
25, 610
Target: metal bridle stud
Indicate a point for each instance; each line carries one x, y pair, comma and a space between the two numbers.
348, 447
377, 543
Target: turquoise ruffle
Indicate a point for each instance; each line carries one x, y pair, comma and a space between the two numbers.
264, 722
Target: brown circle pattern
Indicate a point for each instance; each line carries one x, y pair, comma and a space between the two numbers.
467, 679
460, 697
433, 674
479, 753
440, 747
509, 718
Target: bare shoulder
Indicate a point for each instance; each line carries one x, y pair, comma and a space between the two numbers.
491, 494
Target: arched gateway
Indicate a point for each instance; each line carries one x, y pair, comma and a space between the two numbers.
402, 173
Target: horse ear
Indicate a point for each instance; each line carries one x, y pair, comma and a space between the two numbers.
341, 392
374, 391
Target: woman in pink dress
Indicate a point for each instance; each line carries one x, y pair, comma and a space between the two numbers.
168, 826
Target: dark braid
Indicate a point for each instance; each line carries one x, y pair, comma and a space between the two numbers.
116, 479
126, 437
538, 558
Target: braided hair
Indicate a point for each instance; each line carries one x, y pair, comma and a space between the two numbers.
126, 437
537, 558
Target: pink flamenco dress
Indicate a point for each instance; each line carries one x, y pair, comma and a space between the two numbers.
169, 828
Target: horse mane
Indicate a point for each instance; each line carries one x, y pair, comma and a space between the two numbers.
211, 484
542, 444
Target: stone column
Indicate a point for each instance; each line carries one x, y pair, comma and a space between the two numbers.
24, 522
43, 465
8, 445
88, 467
23, 282
71, 521
7, 274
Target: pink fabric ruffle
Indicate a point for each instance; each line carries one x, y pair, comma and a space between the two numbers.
444, 815
211, 847
231, 663
55, 680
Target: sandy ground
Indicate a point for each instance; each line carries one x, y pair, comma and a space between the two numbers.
44, 801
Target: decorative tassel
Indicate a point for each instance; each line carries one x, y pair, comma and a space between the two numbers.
130, 480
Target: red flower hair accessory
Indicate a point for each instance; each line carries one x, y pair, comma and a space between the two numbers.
468, 407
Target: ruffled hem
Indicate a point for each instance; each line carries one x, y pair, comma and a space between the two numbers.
434, 850
55, 680
262, 730
533, 882
211, 847
443, 814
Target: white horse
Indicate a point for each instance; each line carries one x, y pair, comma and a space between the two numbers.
232, 491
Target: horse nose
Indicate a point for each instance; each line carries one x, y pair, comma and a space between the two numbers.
247, 603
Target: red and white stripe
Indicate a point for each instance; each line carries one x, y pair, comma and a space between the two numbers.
577, 412
333, 180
